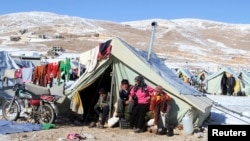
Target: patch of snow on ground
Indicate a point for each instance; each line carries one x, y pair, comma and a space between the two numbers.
186, 47
42, 40
224, 48
221, 115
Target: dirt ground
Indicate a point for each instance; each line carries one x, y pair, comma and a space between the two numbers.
107, 134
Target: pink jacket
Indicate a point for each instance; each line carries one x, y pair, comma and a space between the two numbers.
142, 96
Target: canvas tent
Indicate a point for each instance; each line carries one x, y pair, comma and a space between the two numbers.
205, 73
185, 74
128, 62
214, 82
244, 76
6, 62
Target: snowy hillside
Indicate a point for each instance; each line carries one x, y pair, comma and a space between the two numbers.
199, 39
39, 19
183, 42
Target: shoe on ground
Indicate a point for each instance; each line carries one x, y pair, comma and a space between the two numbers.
134, 129
92, 124
138, 130
101, 126
161, 131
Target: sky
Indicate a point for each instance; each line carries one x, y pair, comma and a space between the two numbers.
229, 11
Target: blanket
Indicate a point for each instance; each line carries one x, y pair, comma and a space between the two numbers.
9, 127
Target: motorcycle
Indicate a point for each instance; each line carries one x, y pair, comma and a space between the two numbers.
40, 108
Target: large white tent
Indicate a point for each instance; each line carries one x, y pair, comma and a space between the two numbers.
127, 62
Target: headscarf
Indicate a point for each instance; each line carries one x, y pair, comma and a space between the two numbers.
141, 83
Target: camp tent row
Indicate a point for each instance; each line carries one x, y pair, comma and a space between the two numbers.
214, 81
186, 74
126, 62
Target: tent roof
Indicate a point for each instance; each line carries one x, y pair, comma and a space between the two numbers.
221, 71
156, 72
186, 72
6, 62
245, 77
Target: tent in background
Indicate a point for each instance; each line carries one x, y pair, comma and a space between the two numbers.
244, 76
214, 82
6, 62
186, 75
25, 63
126, 62
203, 75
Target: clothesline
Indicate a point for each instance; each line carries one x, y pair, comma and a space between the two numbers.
45, 74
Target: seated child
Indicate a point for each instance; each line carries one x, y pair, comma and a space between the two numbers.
159, 105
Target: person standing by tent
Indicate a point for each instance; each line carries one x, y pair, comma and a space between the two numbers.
224, 84
141, 92
124, 99
159, 105
230, 85
102, 107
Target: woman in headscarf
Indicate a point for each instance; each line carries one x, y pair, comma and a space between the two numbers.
141, 92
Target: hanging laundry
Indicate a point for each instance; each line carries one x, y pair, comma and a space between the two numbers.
104, 50
18, 76
64, 68
39, 75
89, 59
76, 104
52, 72
53, 69
27, 74
10, 73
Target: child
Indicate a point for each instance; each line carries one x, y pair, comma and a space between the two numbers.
124, 99
159, 105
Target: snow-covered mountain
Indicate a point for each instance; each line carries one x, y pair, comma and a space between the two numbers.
62, 23
192, 42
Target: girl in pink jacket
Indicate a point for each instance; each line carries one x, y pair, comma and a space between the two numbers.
141, 94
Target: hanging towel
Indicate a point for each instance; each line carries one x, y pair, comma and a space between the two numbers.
9, 73
76, 104
89, 59
27, 74
64, 69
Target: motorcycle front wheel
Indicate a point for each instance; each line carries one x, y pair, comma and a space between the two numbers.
47, 114
10, 111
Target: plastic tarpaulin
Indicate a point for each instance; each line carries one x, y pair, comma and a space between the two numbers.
8, 127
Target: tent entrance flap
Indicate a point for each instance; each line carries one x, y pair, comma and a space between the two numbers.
89, 95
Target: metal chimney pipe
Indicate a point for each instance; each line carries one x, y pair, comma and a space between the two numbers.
154, 25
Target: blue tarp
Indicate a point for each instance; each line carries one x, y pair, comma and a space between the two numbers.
9, 127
